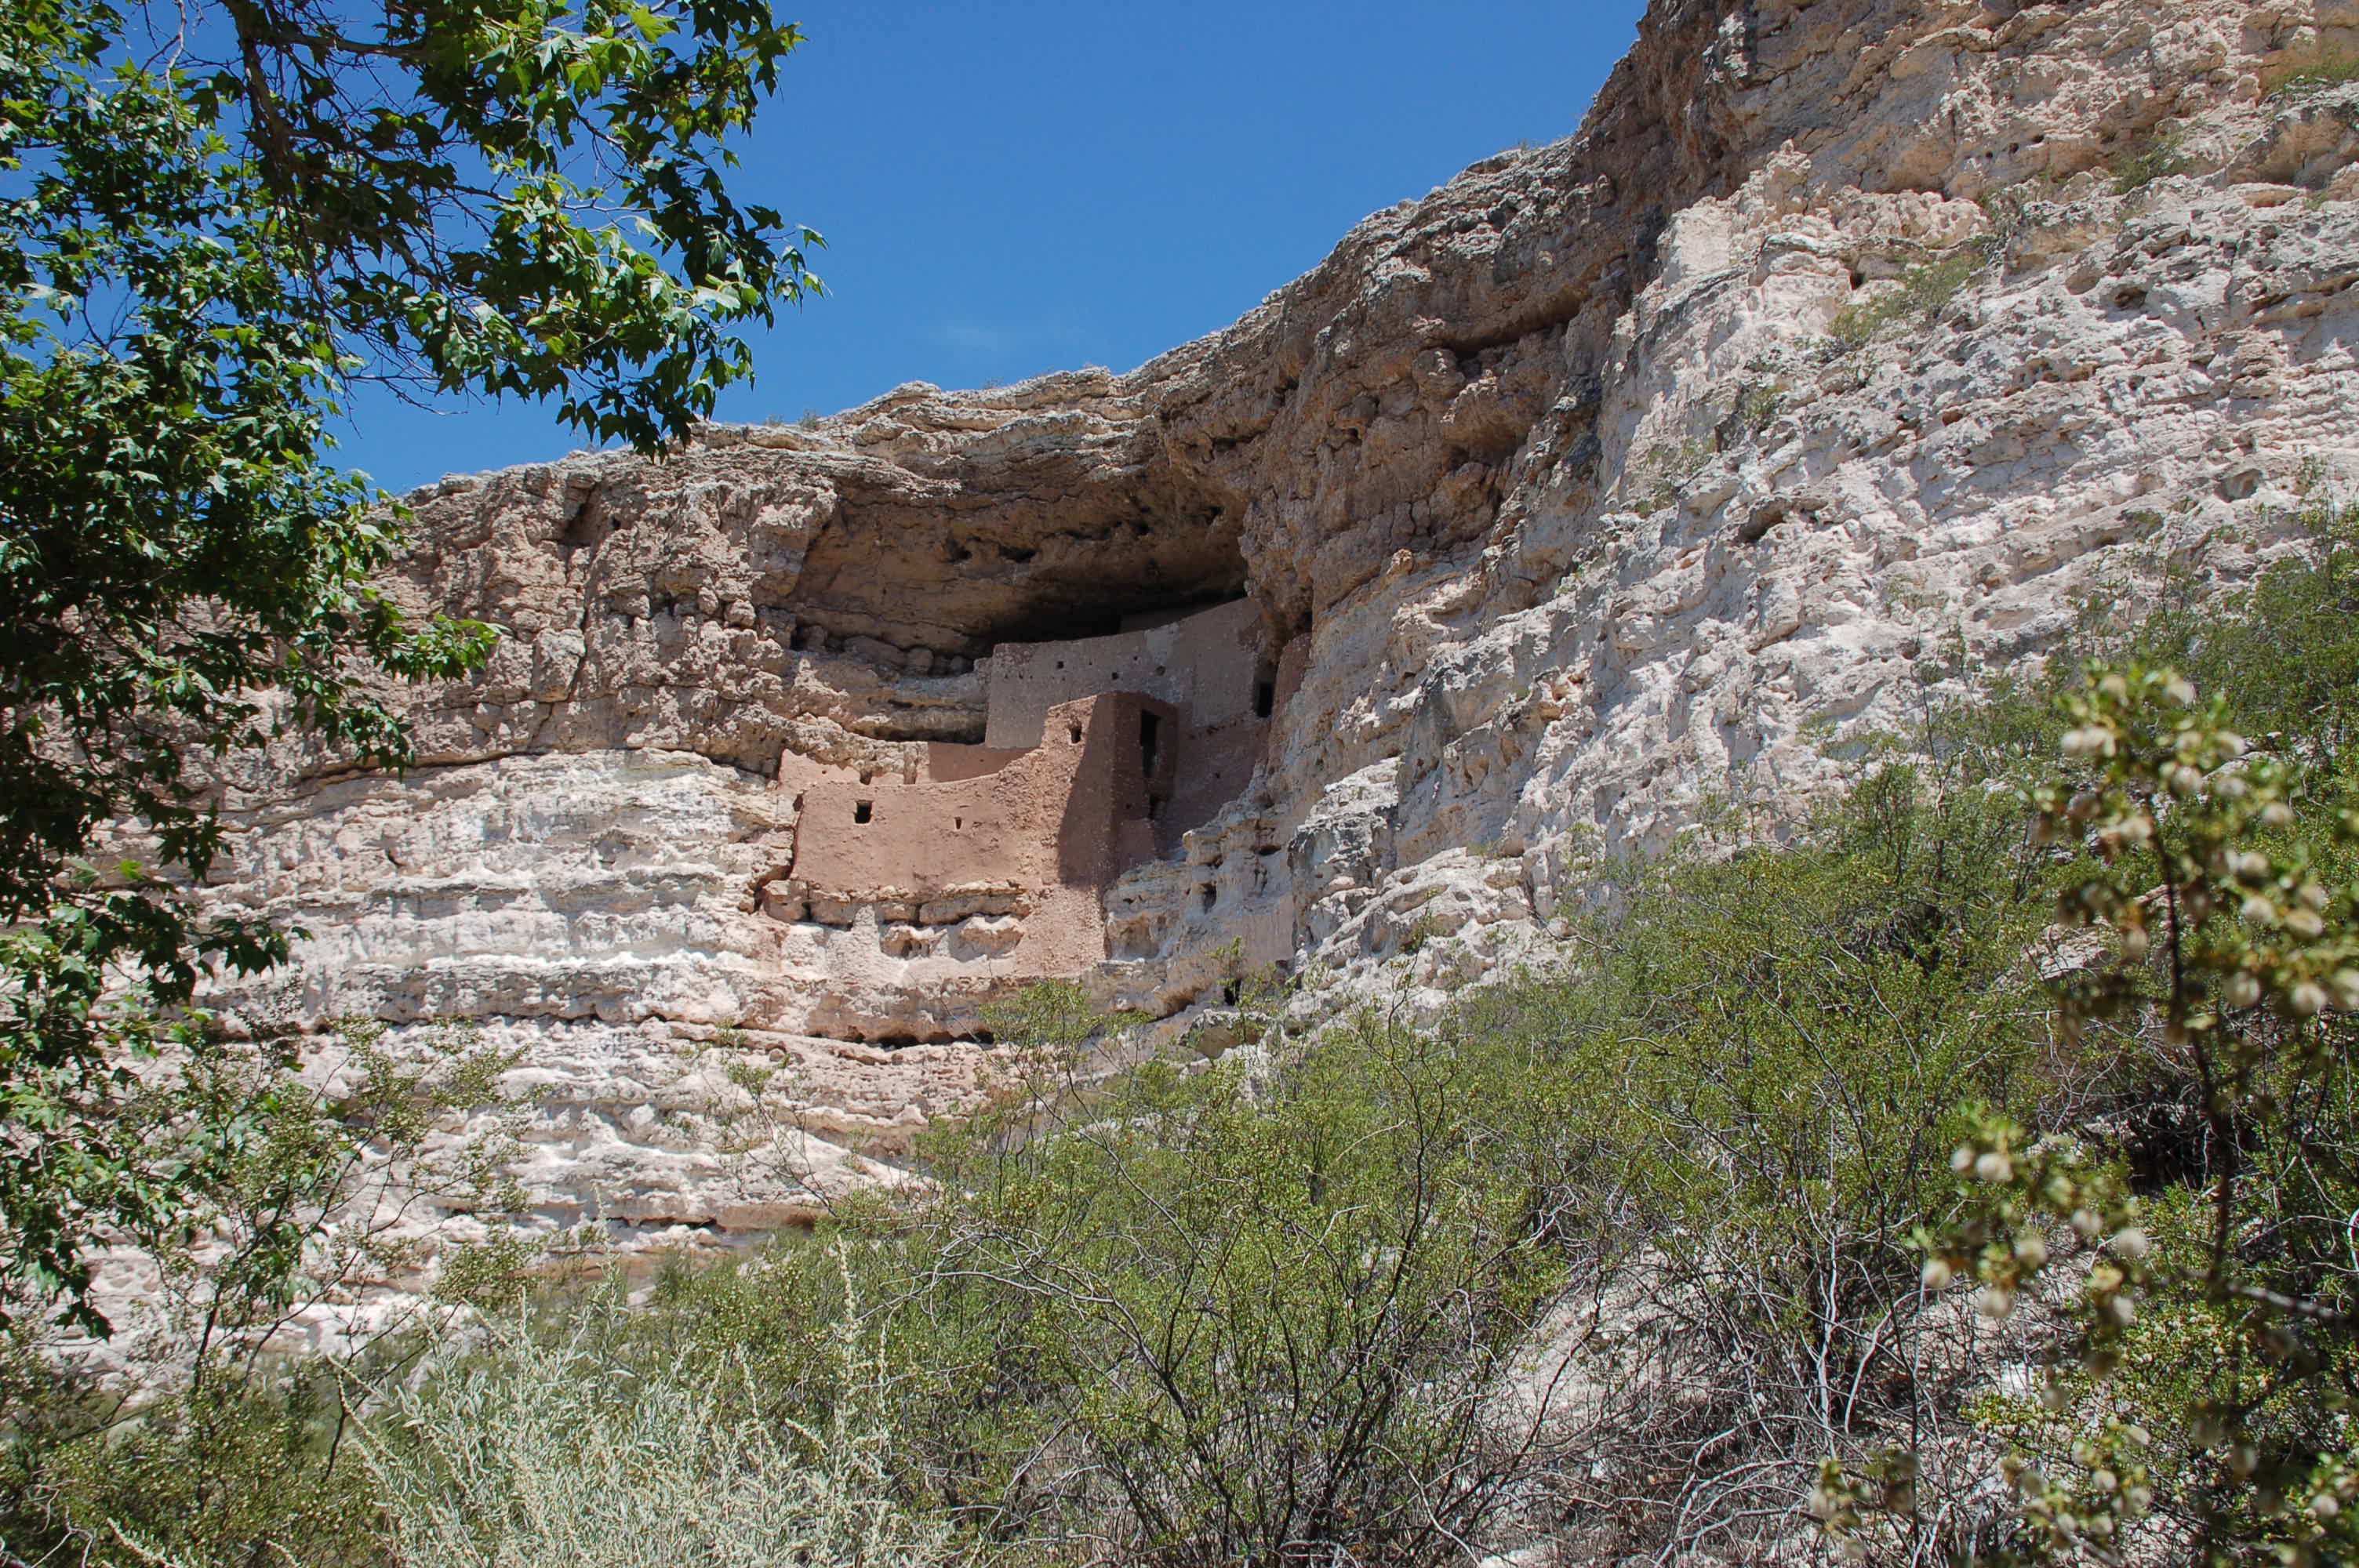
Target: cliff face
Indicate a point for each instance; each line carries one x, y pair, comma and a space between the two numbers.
1846, 345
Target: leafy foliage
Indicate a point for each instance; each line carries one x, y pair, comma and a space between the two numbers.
213, 220
2200, 1405
212, 1445
1228, 1315
1742, 1095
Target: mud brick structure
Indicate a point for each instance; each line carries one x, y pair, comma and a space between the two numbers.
1098, 755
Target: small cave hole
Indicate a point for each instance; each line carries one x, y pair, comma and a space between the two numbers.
1765, 518
586, 526
1209, 892
864, 810
1073, 734
1229, 990
958, 824
984, 1037
1060, 664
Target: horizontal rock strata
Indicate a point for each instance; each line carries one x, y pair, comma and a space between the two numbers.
1842, 350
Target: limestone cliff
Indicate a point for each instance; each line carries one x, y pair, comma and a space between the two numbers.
1845, 345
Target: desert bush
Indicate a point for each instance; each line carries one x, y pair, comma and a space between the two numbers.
246, 1467
2198, 1407
2158, 157
1742, 1095
520, 1448
1923, 293
214, 1444
2193, 1401
2283, 655
1250, 1314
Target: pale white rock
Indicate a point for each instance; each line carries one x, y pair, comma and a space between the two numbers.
1573, 511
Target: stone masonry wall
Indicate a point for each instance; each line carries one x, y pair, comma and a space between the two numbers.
1206, 664
1002, 853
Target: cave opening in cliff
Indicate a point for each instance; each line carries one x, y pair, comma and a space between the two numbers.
1114, 609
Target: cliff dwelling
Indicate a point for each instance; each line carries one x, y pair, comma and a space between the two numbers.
1098, 753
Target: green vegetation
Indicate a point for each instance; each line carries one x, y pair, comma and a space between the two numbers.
525, 1450
1924, 292
1829, 1168
2160, 156
217, 219
1660, 470
1757, 405
223, 1449
2189, 1237
2334, 71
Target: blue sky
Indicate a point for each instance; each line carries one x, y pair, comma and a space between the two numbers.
1030, 186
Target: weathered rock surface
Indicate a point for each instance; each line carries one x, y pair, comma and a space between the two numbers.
1846, 345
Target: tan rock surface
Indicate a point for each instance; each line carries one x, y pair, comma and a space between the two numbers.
1570, 510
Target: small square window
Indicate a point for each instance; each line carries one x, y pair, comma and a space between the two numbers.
863, 810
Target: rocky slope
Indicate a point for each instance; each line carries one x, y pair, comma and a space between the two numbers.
1846, 345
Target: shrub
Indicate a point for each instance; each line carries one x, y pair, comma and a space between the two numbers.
1923, 293
214, 1446
2195, 1402
244, 1467
1741, 1098
1239, 1315
2158, 157
522, 1450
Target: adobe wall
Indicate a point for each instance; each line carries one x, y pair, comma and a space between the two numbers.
1024, 837
995, 859
1214, 765
1207, 666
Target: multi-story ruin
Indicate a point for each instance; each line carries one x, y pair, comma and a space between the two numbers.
1097, 754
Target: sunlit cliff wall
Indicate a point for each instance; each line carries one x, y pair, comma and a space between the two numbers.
1844, 346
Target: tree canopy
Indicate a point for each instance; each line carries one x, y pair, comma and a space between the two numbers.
215, 221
